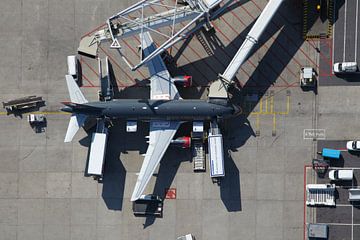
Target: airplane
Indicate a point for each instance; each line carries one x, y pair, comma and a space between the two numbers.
165, 111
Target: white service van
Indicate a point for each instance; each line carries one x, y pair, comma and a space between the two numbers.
341, 174
345, 67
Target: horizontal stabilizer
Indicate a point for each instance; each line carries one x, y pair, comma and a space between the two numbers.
76, 95
76, 121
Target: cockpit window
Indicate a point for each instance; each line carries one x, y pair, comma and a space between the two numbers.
354, 145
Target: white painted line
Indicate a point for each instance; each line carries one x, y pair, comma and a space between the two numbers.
344, 31
339, 224
344, 205
333, 39
352, 223
356, 28
354, 168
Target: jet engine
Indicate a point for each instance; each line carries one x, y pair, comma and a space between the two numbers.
183, 142
184, 81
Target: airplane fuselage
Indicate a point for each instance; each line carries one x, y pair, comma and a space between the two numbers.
154, 109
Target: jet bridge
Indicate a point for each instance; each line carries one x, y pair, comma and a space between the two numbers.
106, 91
218, 89
133, 20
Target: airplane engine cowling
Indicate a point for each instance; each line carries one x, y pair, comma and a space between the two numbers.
183, 142
184, 81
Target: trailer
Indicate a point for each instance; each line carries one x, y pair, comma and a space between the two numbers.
97, 150
320, 194
216, 152
23, 103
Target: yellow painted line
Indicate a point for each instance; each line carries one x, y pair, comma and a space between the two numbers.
271, 104
261, 105
266, 105
257, 123
274, 123
45, 113
52, 113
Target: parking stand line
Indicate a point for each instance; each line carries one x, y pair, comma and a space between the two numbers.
356, 28
344, 32
352, 222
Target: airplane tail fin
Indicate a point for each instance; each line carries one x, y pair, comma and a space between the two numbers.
76, 120
75, 93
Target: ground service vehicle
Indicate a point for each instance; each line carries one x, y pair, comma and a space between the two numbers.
345, 67
72, 66
307, 77
354, 194
341, 174
186, 237
353, 145
148, 205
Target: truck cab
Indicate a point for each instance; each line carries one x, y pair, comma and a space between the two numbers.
148, 205
307, 77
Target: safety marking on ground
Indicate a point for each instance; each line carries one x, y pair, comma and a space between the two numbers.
266, 106
330, 19
170, 193
271, 112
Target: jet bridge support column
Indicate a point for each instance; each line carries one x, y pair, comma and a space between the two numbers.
219, 88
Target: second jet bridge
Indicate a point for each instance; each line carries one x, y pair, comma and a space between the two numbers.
218, 89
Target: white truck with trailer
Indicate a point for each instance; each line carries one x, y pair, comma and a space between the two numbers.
97, 151
216, 153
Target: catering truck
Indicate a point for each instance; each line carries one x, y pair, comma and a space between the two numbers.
216, 153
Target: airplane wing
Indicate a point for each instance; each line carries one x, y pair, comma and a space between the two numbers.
161, 134
161, 85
